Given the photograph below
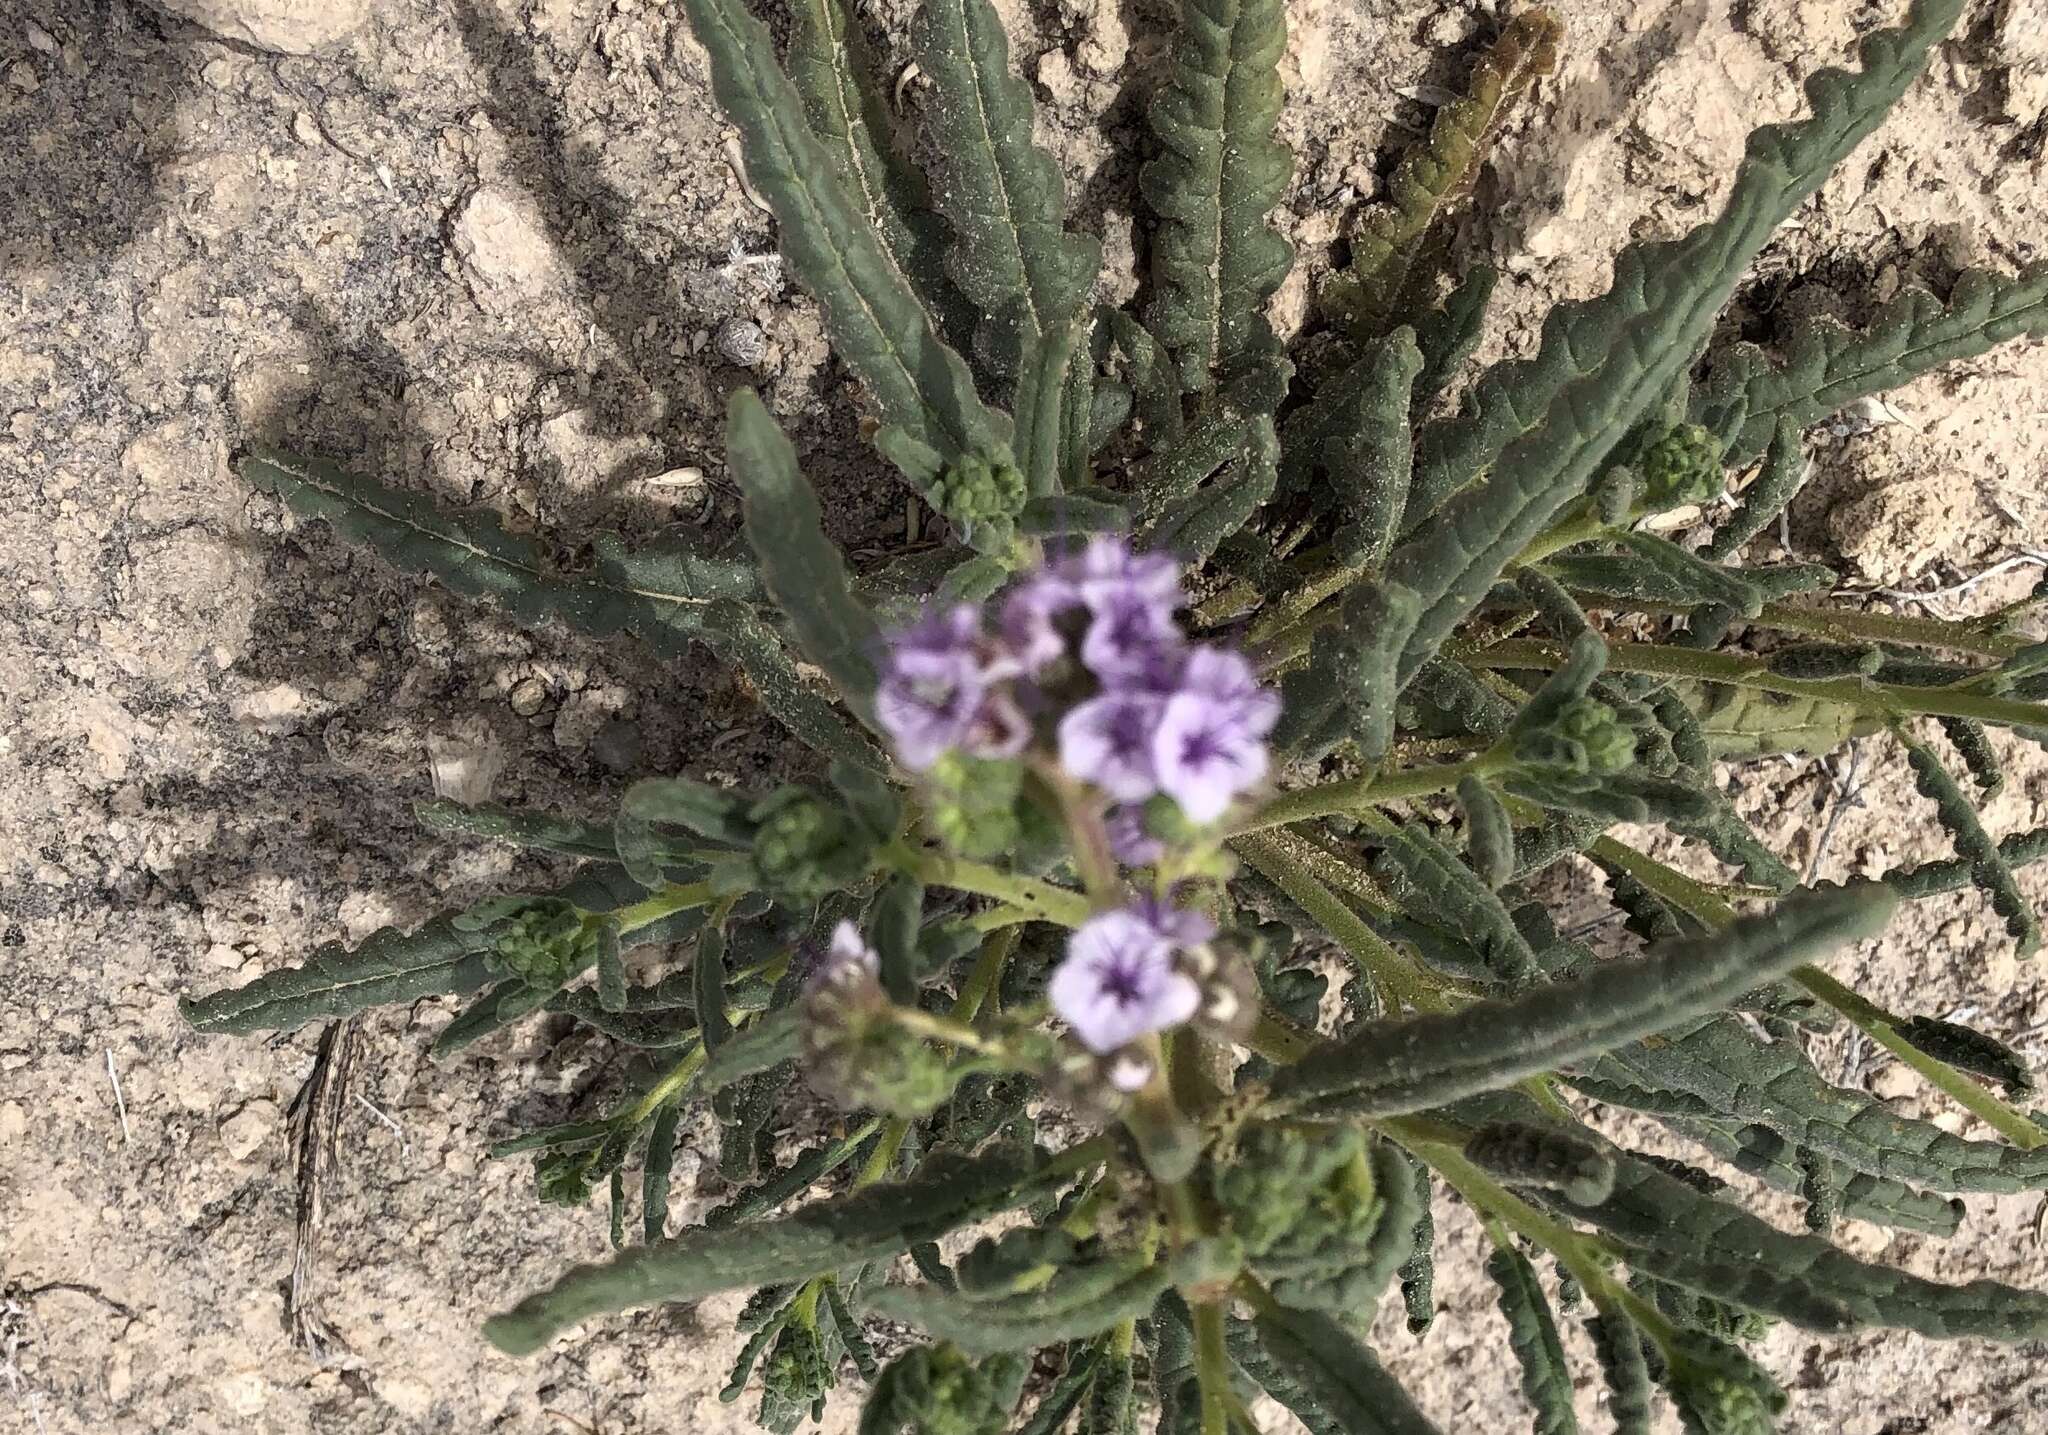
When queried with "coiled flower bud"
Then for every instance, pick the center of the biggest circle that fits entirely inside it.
(547, 942)
(1307, 1206)
(976, 492)
(935, 1390)
(1720, 1391)
(806, 848)
(1682, 467)
(1586, 739)
(796, 1377)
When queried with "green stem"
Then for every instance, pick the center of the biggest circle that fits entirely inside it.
(1398, 981)
(1046, 902)
(1881, 1026)
(1890, 699)
(1845, 625)
(667, 902)
(1586, 1261)
(1212, 1367)
(981, 982)
(670, 1086)
(1332, 799)
(884, 1155)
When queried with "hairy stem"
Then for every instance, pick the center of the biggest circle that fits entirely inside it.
(1333, 799)
(1397, 980)
(1890, 699)
(1043, 900)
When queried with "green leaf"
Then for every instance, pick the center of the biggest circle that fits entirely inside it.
(877, 324)
(707, 972)
(1541, 429)
(1000, 193)
(1331, 1381)
(1658, 570)
(1489, 835)
(1532, 1335)
(1058, 1403)
(544, 831)
(1433, 886)
(654, 1177)
(1763, 1153)
(1988, 869)
(713, 818)
(1688, 1236)
(1191, 527)
(767, 1042)
(1447, 335)
(1747, 398)
(836, 73)
(1219, 174)
(800, 566)
(1049, 364)
(1391, 1067)
(1746, 722)
(1078, 1302)
(872, 1224)
(1548, 1157)
(439, 958)
(1784, 471)
(1388, 242)
(1619, 1345)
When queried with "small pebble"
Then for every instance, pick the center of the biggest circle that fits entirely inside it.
(529, 696)
(742, 342)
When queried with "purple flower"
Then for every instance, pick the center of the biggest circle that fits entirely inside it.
(1129, 638)
(1030, 621)
(934, 695)
(1118, 982)
(1130, 841)
(1109, 741)
(1210, 742)
(1107, 570)
(850, 948)
(1178, 926)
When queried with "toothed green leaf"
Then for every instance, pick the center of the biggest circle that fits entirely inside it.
(1620, 1348)
(1541, 429)
(1532, 1334)
(1389, 1067)
(1327, 1377)
(871, 1224)
(1221, 170)
(1387, 245)
(800, 566)
(1988, 868)
(1000, 193)
(1747, 397)
(877, 324)
(1077, 1302)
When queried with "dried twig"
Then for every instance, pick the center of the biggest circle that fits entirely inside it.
(120, 1101)
(315, 1126)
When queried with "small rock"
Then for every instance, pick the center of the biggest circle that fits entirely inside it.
(13, 1122)
(243, 1134)
(221, 955)
(742, 342)
(465, 763)
(501, 239)
(529, 696)
(286, 27)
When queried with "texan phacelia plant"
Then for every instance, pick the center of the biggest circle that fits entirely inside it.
(1249, 667)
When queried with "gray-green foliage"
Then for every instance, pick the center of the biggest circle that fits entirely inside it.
(1450, 602)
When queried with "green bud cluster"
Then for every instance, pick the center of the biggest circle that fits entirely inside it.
(796, 1377)
(936, 1390)
(548, 941)
(1586, 740)
(806, 847)
(1304, 1205)
(563, 1177)
(976, 491)
(976, 806)
(857, 1054)
(1682, 467)
(1719, 1391)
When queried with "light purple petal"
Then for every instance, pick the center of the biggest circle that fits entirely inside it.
(1030, 621)
(850, 948)
(1129, 640)
(1118, 982)
(1226, 678)
(1108, 741)
(1203, 758)
(1129, 840)
(1180, 926)
(1107, 569)
(927, 702)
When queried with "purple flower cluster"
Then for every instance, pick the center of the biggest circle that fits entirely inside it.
(1121, 978)
(1161, 715)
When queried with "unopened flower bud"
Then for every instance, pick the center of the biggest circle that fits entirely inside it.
(1682, 467)
(547, 942)
(806, 847)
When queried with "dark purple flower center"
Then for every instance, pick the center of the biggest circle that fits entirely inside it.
(1201, 747)
(1122, 980)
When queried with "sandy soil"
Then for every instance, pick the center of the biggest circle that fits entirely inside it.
(496, 252)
